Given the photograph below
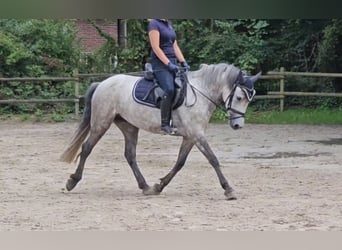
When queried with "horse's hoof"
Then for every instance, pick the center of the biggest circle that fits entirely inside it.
(151, 190)
(71, 183)
(230, 194)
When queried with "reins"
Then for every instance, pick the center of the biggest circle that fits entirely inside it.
(228, 100)
(193, 88)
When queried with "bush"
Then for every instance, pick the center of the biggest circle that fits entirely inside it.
(36, 48)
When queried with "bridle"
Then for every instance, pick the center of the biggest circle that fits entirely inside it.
(249, 93)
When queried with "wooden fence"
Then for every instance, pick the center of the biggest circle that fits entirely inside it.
(77, 79)
(281, 94)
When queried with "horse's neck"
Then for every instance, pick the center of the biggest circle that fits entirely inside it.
(212, 90)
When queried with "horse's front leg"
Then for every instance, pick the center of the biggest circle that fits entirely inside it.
(204, 147)
(184, 151)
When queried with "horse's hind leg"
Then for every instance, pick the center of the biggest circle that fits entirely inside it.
(87, 147)
(130, 133)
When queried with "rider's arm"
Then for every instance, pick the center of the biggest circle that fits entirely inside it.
(154, 37)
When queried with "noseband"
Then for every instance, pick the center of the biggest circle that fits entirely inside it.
(249, 93)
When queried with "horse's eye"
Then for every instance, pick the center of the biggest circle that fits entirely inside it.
(239, 98)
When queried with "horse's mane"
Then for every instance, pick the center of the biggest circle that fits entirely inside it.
(217, 73)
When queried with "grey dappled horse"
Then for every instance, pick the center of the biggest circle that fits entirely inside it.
(111, 101)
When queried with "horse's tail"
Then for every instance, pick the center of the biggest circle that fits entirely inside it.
(83, 128)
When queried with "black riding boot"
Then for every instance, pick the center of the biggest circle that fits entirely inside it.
(165, 110)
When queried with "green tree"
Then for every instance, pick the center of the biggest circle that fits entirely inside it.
(49, 47)
(330, 51)
(35, 48)
(213, 41)
(13, 55)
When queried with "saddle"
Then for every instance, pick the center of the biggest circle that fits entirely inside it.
(146, 90)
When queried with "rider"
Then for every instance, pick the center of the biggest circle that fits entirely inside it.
(164, 55)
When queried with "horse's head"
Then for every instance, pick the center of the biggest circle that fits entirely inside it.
(240, 96)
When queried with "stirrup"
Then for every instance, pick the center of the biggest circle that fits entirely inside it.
(169, 130)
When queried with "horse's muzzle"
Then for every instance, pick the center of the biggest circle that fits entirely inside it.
(237, 123)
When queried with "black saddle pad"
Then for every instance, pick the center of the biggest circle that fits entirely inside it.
(144, 93)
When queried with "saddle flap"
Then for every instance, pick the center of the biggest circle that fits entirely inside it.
(149, 93)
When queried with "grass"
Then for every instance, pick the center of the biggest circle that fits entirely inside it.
(290, 116)
(296, 116)
(38, 117)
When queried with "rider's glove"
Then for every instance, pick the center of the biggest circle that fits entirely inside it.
(172, 67)
(185, 65)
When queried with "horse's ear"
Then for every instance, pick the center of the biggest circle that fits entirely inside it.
(256, 77)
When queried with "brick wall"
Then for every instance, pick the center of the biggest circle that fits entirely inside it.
(89, 37)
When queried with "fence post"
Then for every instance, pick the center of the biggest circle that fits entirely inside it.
(281, 90)
(77, 92)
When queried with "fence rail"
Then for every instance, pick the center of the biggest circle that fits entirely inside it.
(39, 79)
(281, 94)
(77, 79)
